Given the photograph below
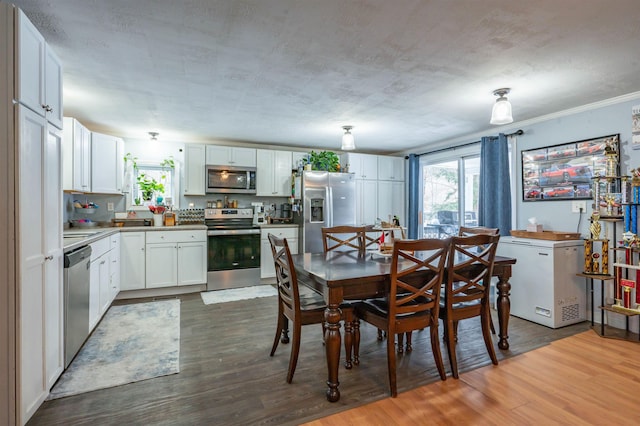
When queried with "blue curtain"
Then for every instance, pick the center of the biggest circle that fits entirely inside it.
(414, 194)
(494, 204)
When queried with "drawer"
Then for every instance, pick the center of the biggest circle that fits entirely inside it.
(288, 233)
(100, 247)
(154, 237)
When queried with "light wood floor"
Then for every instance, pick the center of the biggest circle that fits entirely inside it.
(582, 379)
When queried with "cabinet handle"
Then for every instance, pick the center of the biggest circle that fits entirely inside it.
(142, 249)
(103, 262)
(48, 257)
(543, 254)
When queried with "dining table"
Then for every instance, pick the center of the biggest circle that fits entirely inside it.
(343, 276)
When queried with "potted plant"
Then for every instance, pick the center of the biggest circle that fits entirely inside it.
(323, 160)
(148, 186)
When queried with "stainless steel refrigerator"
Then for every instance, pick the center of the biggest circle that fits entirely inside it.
(327, 199)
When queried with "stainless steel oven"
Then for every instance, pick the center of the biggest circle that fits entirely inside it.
(233, 249)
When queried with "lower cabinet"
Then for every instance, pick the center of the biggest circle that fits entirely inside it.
(176, 258)
(99, 280)
(114, 267)
(267, 268)
(132, 260)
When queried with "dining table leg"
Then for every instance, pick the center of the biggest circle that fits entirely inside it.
(332, 316)
(504, 305)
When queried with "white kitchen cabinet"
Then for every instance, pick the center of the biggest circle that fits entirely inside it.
(39, 208)
(114, 266)
(364, 166)
(76, 163)
(391, 200)
(545, 287)
(132, 260)
(194, 170)
(217, 155)
(390, 168)
(176, 258)
(39, 70)
(274, 173)
(162, 265)
(99, 280)
(290, 233)
(366, 201)
(192, 263)
(107, 163)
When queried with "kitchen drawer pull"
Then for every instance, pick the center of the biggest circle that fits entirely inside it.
(48, 257)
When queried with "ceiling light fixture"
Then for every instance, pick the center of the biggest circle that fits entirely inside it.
(348, 144)
(501, 113)
(154, 135)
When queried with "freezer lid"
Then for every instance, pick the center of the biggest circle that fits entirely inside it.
(540, 243)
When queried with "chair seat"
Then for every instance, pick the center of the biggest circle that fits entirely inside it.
(380, 307)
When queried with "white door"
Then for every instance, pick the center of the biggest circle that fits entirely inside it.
(162, 265)
(32, 288)
(192, 263)
(132, 261)
(52, 220)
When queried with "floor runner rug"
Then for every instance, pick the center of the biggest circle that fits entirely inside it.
(234, 294)
(132, 342)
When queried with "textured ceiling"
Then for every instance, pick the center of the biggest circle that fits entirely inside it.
(406, 74)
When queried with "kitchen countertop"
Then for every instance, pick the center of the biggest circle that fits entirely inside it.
(89, 235)
(279, 225)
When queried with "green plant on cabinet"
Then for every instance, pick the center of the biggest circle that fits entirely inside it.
(323, 160)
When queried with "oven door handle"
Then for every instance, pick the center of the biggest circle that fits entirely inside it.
(233, 232)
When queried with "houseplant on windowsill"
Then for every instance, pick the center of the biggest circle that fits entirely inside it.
(148, 186)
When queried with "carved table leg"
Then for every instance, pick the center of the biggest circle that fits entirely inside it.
(348, 343)
(332, 339)
(504, 307)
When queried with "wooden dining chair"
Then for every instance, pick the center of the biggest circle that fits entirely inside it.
(344, 238)
(417, 272)
(292, 308)
(466, 290)
(466, 231)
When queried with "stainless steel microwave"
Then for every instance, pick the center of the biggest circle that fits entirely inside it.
(233, 180)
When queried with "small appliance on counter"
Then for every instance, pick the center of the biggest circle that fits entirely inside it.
(259, 216)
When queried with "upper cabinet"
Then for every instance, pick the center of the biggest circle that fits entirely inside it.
(365, 166)
(39, 83)
(107, 163)
(217, 155)
(273, 173)
(391, 168)
(194, 174)
(76, 150)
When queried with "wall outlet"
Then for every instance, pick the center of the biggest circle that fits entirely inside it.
(578, 206)
(109, 207)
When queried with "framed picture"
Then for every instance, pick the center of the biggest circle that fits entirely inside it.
(565, 171)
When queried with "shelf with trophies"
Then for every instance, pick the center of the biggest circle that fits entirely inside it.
(616, 200)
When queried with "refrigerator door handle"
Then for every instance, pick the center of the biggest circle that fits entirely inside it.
(329, 206)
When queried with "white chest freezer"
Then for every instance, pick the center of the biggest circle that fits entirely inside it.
(544, 285)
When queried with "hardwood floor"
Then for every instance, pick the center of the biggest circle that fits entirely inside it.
(227, 377)
(582, 379)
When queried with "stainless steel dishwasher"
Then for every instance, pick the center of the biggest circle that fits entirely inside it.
(76, 301)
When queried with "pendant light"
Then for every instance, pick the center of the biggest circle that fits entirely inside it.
(348, 144)
(501, 113)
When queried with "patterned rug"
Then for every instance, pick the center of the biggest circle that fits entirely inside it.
(132, 342)
(233, 294)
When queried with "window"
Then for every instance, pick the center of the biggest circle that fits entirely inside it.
(152, 183)
(450, 192)
(450, 189)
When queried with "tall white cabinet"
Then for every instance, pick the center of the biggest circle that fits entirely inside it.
(194, 172)
(32, 123)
